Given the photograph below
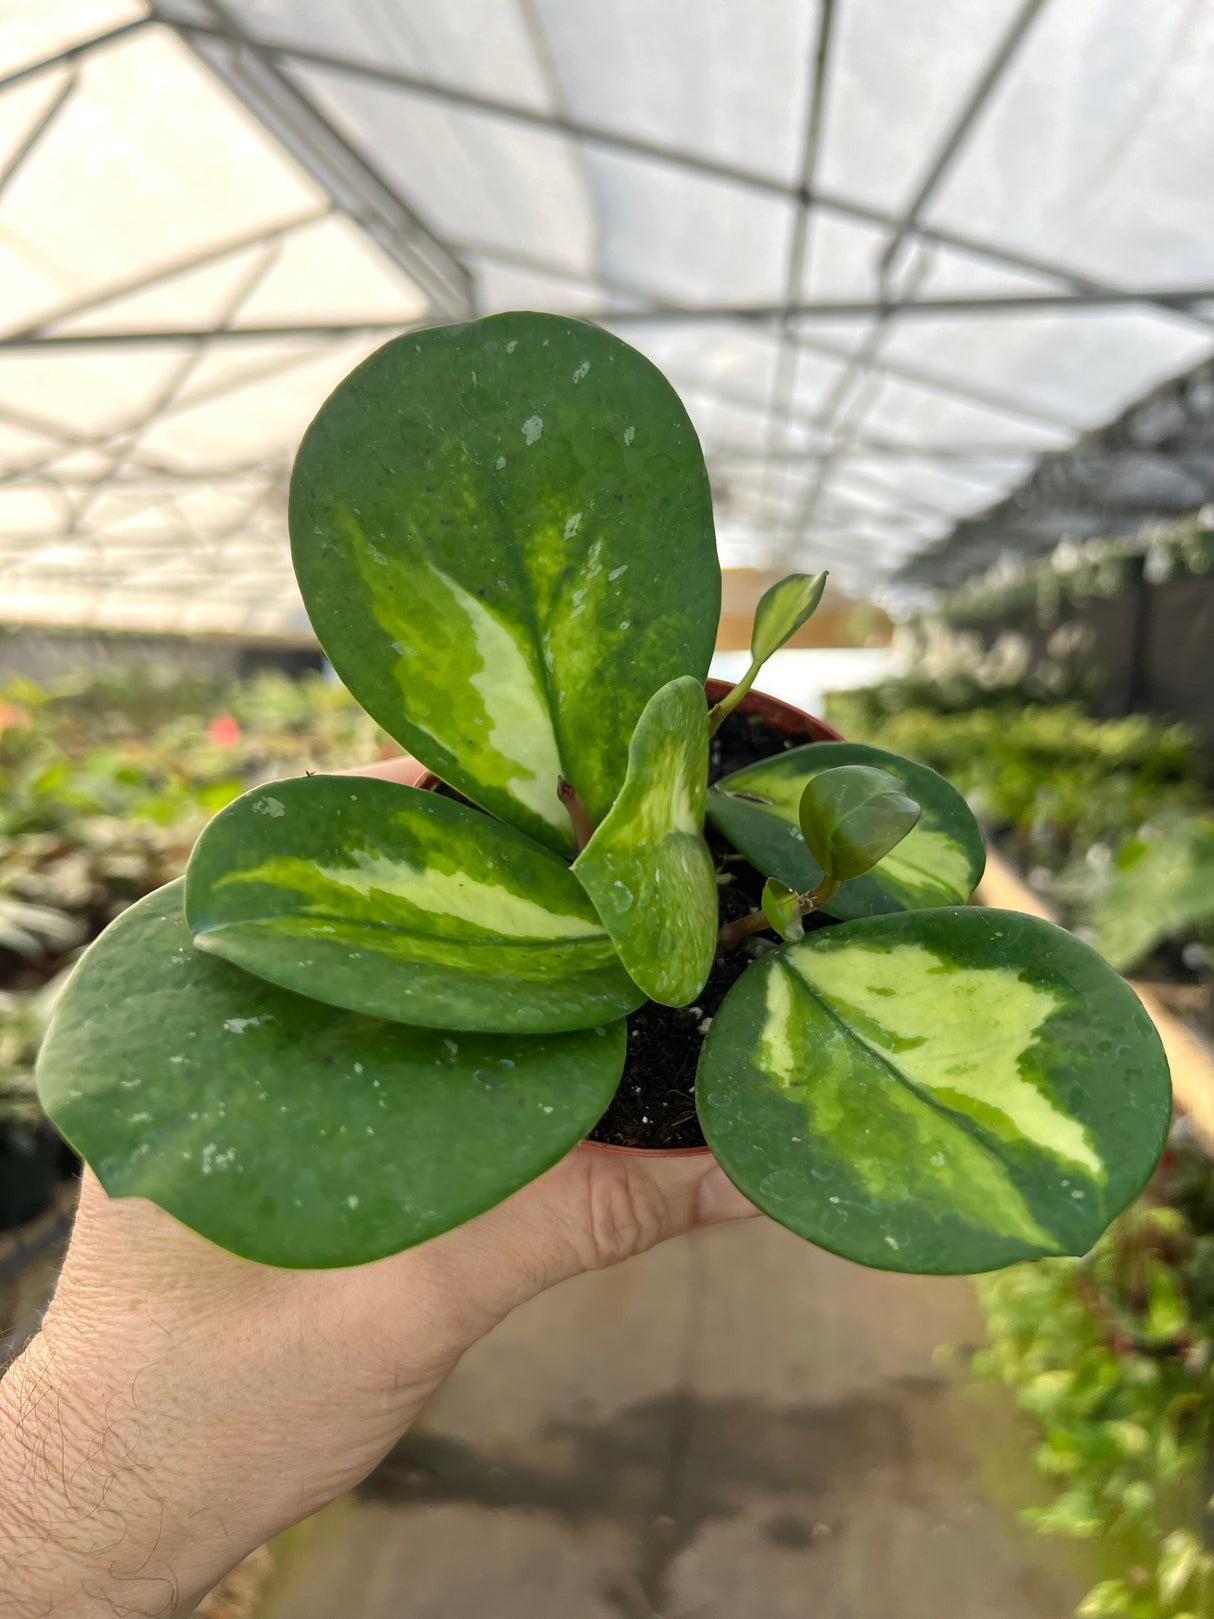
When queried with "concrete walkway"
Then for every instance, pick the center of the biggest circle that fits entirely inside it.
(736, 1426)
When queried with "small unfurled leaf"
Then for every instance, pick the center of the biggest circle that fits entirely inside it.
(939, 863)
(402, 904)
(942, 1091)
(852, 816)
(782, 610)
(782, 908)
(291, 1132)
(647, 867)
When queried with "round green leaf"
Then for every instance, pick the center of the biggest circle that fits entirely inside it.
(852, 816)
(503, 535)
(938, 863)
(647, 867)
(290, 1132)
(943, 1091)
(404, 905)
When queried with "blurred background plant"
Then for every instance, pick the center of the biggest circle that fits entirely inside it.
(1110, 1356)
(104, 786)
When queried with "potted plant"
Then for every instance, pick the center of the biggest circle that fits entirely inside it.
(375, 1010)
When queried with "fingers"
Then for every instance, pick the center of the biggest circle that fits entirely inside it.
(719, 1199)
(590, 1211)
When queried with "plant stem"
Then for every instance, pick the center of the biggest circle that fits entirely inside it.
(583, 829)
(732, 934)
(731, 699)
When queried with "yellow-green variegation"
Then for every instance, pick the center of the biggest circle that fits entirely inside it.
(647, 867)
(291, 1132)
(938, 863)
(402, 904)
(945, 1091)
(503, 535)
(782, 610)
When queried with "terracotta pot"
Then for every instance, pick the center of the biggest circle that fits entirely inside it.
(792, 721)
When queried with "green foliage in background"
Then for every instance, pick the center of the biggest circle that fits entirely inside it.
(104, 786)
(1040, 771)
(1044, 777)
(1110, 1356)
(1161, 886)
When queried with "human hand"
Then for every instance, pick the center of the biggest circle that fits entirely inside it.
(182, 1405)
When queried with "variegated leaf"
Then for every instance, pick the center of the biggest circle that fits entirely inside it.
(647, 867)
(402, 904)
(782, 610)
(503, 535)
(288, 1131)
(938, 863)
(943, 1091)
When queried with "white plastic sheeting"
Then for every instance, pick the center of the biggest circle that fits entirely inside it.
(757, 196)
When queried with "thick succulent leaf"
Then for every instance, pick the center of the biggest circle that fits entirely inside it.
(647, 867)
(942, 1091)
(402, 904)
(852, 816)
(782, 610)
(782, 908)
(288, 1131)
(939, 863)
(503, 535)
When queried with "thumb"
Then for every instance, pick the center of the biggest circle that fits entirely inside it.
(590, 1211)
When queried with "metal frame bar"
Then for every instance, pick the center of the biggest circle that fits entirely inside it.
(182, 266)
(38, 128)
(356, 187)
(73, 53)
(1173, 299)
(901, 371)
(851, 389)
(788, 355)
(953, 143)
(610, 139)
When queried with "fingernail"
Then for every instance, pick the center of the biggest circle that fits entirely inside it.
(719, 1199)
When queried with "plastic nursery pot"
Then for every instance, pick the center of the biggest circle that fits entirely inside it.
(793, 722)
(783, 716)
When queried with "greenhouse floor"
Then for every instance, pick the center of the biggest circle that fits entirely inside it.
(735, 1426)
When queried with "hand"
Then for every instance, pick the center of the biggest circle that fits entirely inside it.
(181, 1405)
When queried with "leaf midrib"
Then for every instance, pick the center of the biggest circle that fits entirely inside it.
(962, 1120)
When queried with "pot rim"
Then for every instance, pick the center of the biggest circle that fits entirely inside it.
(786, 717)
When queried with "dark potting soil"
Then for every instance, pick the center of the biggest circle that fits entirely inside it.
(655, 1103)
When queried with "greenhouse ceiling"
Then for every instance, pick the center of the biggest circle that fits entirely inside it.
(889, 251)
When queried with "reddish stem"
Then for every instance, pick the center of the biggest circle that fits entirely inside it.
(583, 828)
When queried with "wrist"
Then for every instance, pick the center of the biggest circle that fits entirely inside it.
(93, 1521)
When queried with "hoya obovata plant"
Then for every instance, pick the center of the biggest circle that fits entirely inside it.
(373, 1011)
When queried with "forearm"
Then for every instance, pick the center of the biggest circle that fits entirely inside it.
(87, 1525)
(120, 1494)
(157, 1430)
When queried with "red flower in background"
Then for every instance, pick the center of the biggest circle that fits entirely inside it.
(224, 731)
